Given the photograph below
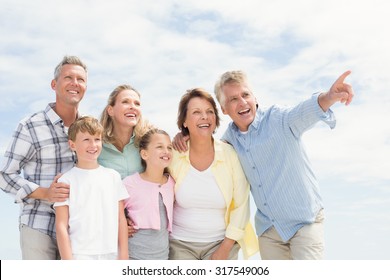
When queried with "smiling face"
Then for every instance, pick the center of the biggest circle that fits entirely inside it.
(126, 111)
(200, 118)
(158, 152)
(70, 86)
(87, 148)
(239, 104)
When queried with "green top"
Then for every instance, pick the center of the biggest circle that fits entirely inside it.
(126, 163)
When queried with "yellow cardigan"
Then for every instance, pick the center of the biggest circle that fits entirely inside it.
(231, 180)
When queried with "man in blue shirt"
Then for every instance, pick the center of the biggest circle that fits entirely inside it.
(289, 216)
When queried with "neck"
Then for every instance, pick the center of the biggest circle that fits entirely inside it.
(154, 176)
(68, 114)
(122, 136)
(87, 164)
(201, 145)
(201, 152)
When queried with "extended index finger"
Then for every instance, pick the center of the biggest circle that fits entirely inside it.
(342, 77)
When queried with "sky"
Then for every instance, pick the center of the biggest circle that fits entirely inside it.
(289, 50)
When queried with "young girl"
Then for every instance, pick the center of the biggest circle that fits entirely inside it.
(151, 197)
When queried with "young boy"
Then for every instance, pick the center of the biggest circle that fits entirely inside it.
(91, 223)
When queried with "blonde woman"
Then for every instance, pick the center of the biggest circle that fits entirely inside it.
(123, 126)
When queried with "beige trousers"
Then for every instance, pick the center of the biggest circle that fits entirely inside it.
(306, 244)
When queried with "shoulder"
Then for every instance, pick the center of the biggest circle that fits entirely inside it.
(32, 118)
(67, 175)
(131, 178)
(171, 181)
(223, 146)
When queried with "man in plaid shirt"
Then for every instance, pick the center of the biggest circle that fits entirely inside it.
(39, 148)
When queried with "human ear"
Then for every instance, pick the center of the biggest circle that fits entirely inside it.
(72, 145)
(53, 84)
(110, 110)
(144, 154)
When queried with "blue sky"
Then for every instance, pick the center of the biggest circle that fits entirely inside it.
(289, 49)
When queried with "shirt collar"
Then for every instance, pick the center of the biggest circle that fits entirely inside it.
(52, 115)
(112, 147)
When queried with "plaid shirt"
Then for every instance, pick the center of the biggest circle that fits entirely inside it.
(39, 148)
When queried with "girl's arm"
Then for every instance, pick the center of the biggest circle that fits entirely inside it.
(63, 239)
(123, 253)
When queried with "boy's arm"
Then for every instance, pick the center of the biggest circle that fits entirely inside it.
(123, 253)
(63, 239)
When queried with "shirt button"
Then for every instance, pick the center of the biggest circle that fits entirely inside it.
(247, 150)
(253, 167)
(265, 204)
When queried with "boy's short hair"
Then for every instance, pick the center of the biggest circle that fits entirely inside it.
(85, 124)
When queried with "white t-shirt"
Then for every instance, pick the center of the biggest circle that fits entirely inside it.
(199, 210)
(93, 209)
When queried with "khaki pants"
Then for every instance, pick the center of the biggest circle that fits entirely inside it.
(183, 250)
(306, 244)
(36, 245)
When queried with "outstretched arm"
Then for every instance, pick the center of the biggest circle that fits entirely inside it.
(339, 92)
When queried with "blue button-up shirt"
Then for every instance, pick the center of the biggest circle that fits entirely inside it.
(275, 163)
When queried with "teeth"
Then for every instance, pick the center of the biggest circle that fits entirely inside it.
(130, 115)
(203, 125)
(72, 91)
(244, 111)
(165, 158)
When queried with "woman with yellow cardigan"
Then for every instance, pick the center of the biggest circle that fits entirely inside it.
(211, 211)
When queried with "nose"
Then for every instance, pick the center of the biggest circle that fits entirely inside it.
(242, 101)
(74, 81)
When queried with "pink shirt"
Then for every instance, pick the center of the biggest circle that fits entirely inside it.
(143, 202)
